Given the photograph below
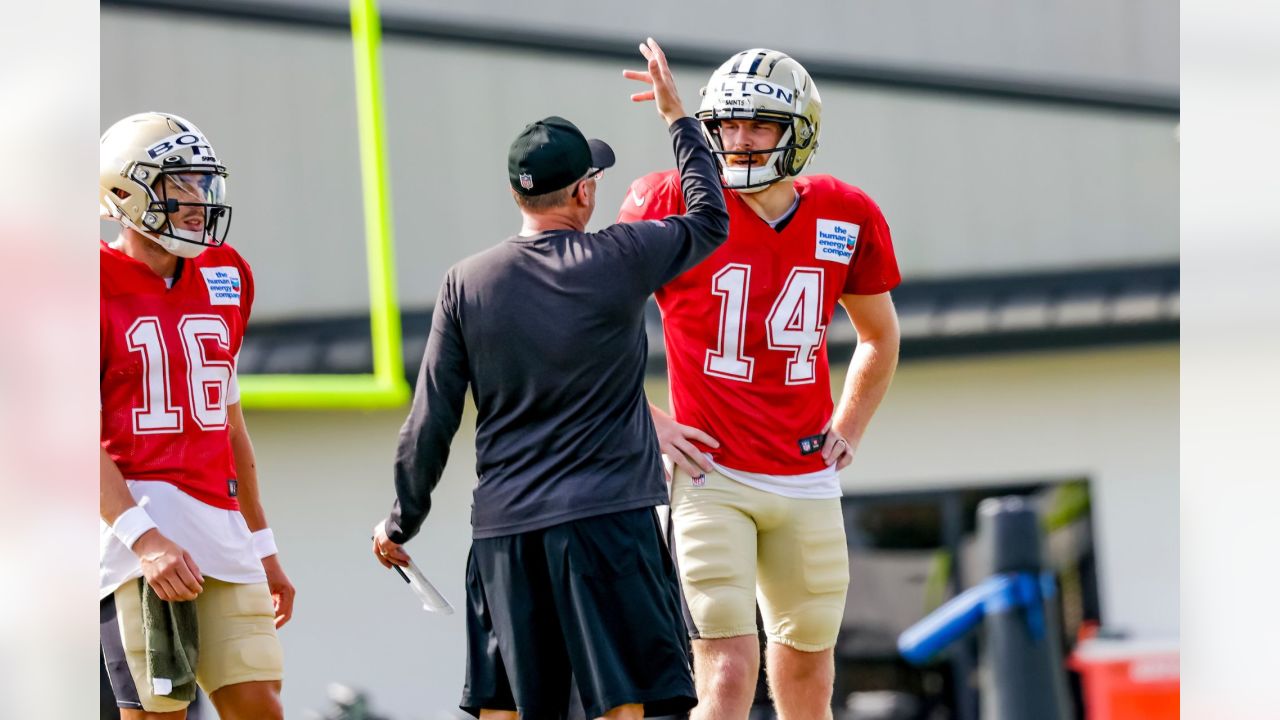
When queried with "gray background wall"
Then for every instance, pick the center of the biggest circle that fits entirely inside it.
(968, 186)
(1126, 43)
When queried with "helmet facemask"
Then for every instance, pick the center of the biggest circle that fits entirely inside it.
(186, 210)
(763, 86)
(754, 176)
(160, 177)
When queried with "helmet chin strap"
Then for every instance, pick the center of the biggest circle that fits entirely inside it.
(737, 179)
(752, 179)
(173, 246)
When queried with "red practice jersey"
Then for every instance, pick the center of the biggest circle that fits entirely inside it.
(167, 360)
(746, 330)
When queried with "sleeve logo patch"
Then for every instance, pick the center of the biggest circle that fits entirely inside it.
(836, 240)
(223, 284)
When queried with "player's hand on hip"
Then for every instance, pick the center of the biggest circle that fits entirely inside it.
(168, 569)
(677, 440)
(664, 92)
(282, 591)
(387, 552)
(836, 449)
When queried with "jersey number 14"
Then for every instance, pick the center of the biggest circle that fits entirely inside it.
(794, 325)
(207, 380)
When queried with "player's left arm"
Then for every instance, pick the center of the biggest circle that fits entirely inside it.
(282, 591)
(870, 372)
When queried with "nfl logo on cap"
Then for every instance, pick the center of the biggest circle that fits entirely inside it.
(526, 181)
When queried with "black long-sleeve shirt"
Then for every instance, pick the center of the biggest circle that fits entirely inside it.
(548, 331)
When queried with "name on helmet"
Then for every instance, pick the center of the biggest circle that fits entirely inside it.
(748, 88)
(200, 148)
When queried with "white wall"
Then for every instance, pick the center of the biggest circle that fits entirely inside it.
(1109, 415)
(326, 480)
(967, 185)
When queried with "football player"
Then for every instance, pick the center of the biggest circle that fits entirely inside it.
(754, 436)
(179, 494)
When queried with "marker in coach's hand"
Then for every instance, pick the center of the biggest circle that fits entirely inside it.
(395, 567)
(432, 600)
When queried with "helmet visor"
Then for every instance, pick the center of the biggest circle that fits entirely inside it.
(194, 207)
(196, 187)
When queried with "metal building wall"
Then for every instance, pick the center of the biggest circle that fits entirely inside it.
(1116, 42)
(968, 185)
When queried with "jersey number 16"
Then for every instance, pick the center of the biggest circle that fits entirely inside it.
(207, 380)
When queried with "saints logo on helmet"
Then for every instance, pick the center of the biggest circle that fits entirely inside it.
(159, 176)
(764, 86)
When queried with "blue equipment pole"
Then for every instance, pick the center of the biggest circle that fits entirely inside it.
(1021, 670)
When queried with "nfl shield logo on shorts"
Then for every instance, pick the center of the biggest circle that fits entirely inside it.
(526, 181)
(700, 481)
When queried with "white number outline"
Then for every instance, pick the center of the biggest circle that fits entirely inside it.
(717, 363)
(802, 298)
(169, 413)
(810, 323)
(193, 331)
(200, 368)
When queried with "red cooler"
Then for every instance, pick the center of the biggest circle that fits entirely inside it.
(1128, 679)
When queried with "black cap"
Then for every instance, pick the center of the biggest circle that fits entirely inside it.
(552, 154)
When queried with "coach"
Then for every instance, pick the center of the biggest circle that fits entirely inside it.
(567, 575)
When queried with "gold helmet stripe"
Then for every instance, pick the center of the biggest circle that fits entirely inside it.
(773, 60)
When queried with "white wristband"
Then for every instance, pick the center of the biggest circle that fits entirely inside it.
(264, 543)
(131, 525)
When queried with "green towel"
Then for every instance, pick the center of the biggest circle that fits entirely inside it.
(170, 630)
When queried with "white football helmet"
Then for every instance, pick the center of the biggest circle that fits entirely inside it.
(159, 176)
(765, 85)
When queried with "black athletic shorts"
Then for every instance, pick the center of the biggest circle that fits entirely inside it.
(594, 602)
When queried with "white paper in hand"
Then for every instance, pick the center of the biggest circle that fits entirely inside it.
(432, 600)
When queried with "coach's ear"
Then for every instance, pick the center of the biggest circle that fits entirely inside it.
(585, 192)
